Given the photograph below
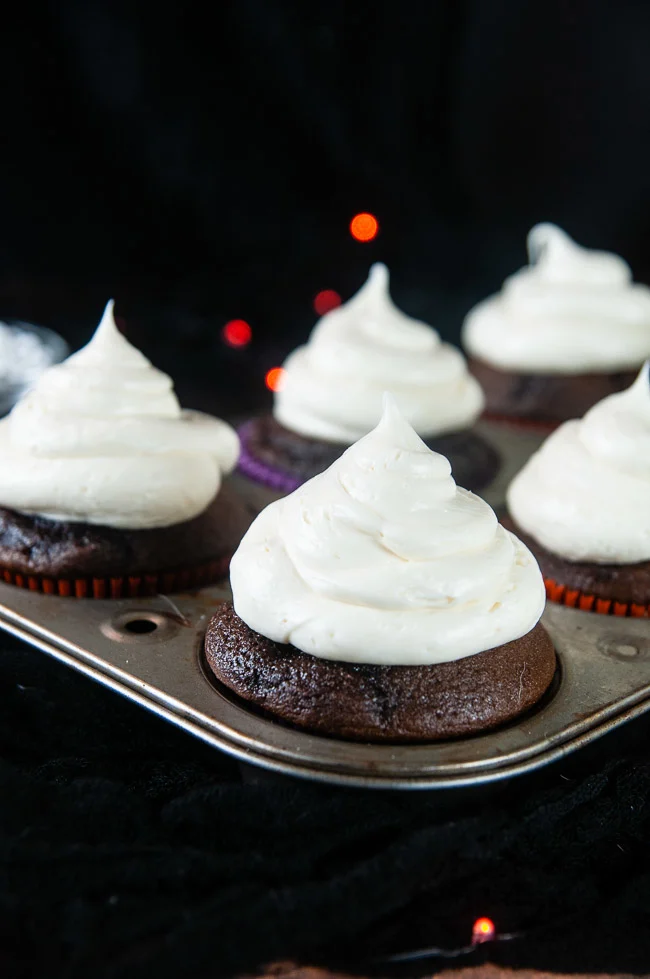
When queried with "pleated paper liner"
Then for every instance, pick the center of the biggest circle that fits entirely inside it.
(249, 465)
(574, 598)
(126, 586)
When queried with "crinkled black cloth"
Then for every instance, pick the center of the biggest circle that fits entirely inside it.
(128, 849)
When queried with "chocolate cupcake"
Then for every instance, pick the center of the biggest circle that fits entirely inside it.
(107, 487)
(332, 390)
(582, 503)
(563, 333)
(380, 602)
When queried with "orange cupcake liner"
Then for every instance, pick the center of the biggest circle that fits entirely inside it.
(574, 598)
(126, 586)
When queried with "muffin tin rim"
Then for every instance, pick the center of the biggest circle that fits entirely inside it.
(136, 663)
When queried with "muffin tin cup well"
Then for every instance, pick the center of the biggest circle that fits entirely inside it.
(150, 650)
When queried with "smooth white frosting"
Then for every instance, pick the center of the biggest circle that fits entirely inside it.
(570, 311)
(585, 495)
(382, 559)
(101, 438)
(333, 386)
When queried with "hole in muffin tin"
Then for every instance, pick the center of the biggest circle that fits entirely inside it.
(140, 625)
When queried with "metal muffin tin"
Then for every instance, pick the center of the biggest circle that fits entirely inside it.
(151, 651)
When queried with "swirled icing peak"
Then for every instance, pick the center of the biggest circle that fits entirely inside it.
(101, 438)
(571, 310)
(585, 495)
(333, 385)
(383, 559)
(557, 258)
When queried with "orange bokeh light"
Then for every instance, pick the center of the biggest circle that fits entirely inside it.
(274, 379)
(237, 333)
(483, 930)
(364, 226)
(326, 300)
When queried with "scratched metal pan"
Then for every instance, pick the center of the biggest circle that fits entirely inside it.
(150, 650)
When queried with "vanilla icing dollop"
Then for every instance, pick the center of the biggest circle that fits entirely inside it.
(585, 494)
(383, 559)
(571, 310)
(101, 438)
(333, 386)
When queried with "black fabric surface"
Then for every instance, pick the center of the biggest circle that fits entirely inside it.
(128, 849)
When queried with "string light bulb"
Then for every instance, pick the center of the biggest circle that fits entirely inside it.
(274, 379)
(237, 333)
(325, 301)
(364, 226)
(483, 930)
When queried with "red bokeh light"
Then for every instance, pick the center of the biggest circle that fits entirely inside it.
(483, 931)
(364, 226)
(274, 379)
(326, 300)
(237, 333)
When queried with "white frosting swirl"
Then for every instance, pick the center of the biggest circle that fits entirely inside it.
(101, 438)
(333, 386)
(585, 495)
(382, 559)
(570, 311)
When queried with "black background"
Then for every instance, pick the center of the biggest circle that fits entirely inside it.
(201, 165)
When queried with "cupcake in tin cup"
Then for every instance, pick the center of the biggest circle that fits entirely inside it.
(108, 488)
(380, 602)
(562, 334)
(332, 390)
(582, 504)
